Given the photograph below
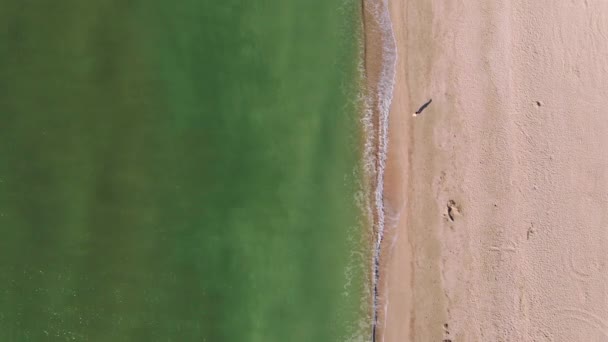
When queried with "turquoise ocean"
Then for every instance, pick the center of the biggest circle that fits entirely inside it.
(181, 171)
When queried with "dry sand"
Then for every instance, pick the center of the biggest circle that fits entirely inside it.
(496, 196)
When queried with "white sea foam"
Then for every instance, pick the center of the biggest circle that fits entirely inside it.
(377, 108)
(375, 102)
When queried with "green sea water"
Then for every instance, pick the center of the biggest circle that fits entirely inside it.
(179, 171)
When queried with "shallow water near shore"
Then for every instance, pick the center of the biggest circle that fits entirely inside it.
(181, 172)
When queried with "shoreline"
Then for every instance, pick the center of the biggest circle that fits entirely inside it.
(410, 300)
(379, 69)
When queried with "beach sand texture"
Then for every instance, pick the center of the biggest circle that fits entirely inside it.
(496, 196)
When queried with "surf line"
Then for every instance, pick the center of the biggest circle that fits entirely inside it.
(377, 144)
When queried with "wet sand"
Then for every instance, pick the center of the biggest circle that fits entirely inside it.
(496, 195)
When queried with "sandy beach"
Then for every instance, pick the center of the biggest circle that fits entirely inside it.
(496, 195)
